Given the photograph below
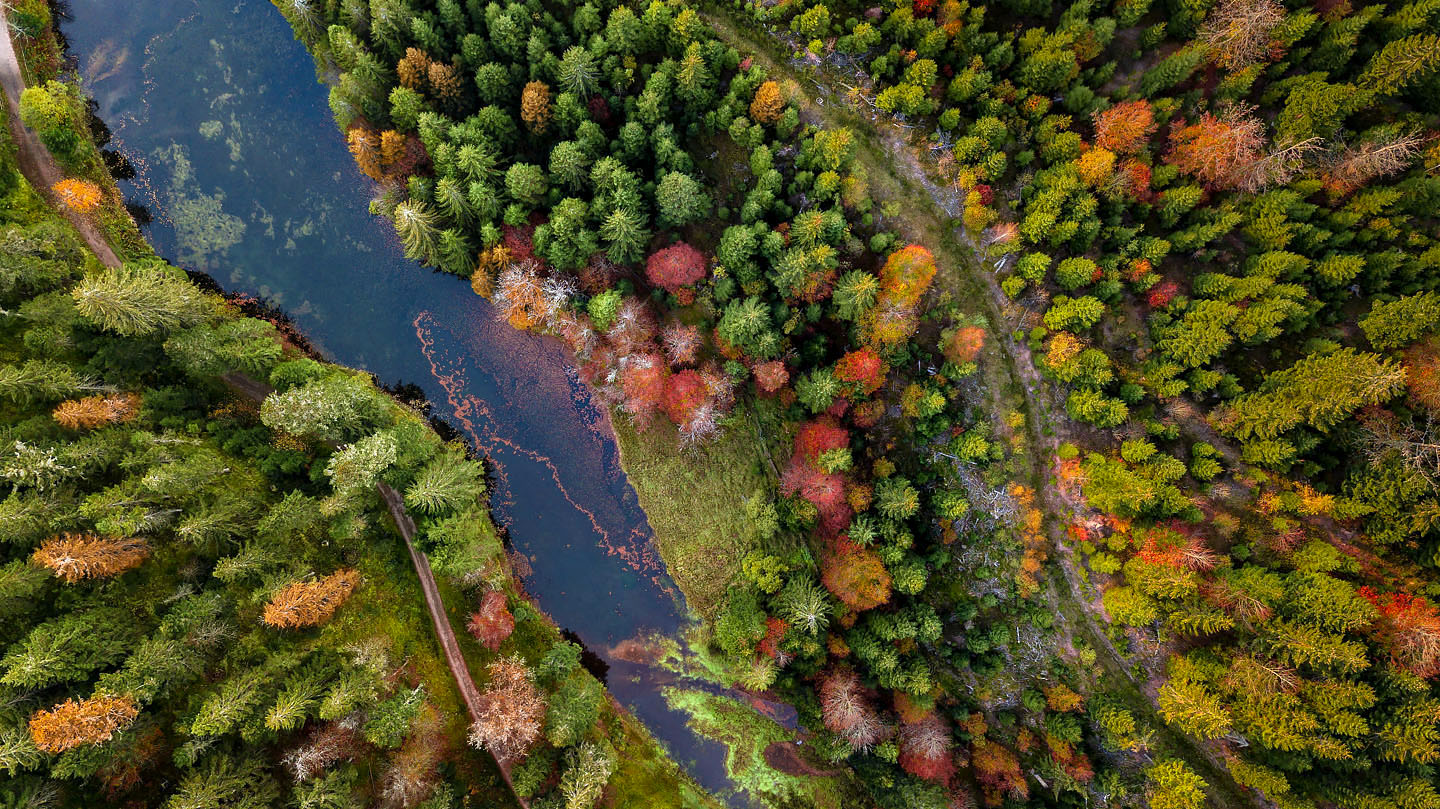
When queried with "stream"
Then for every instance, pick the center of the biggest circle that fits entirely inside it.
(247, 178)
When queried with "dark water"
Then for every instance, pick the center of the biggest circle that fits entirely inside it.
(248, 178)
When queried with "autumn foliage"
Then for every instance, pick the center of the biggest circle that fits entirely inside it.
(864, 368)
(97, 411)
(770, 376)
(80, 196)
(847, 710)
(643, 381)
(492, 623)
(855, 575)
(310, 603)
(511, 711)
(965, 344)
(74, 557)
(815, 438)
(675, 269)
(535, 106)
(684, 394)
(766, 106)
(76, 722)
(903, 281)
(1124, 128)
(1221, 151)
(925, 750)
(1409, 626)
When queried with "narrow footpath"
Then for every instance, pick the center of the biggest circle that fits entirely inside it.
(36, 162)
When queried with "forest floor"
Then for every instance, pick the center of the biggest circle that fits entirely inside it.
(36, 162)
(897, 172)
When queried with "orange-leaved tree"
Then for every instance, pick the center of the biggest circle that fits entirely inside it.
(903, 281)
(74, 557)
(965, 344)
(77, 195)
(76, 722)
(535, 106)
(1222, 151)
(855, 575)
(310, 603)
(364, 146)
(766, 106)
(1125, 127)
(97, 411)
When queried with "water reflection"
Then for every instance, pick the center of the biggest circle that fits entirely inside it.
(239, 164)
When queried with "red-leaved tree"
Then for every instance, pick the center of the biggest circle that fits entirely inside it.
(864, 368)
(675, 269)
(492, 623)
(925, 750)
(684, 393)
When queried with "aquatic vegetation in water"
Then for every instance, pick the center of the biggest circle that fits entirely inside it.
(204, 231)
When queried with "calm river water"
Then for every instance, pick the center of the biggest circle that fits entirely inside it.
(248, 179)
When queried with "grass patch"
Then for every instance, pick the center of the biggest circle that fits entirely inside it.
(695, 497)
(746, 734)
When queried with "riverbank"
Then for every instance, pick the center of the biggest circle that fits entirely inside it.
(645, 771)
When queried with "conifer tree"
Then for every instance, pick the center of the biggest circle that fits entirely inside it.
(73, 723)
(310, 603)
(141, 299)
(74, 557)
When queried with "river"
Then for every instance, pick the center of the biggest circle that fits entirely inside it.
(247, 178)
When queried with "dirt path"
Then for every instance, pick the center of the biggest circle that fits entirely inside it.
(256, 391)
(459, 670)
(895, 172)
(36, 162)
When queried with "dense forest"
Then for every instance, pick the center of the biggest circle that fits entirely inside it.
(1078, 360)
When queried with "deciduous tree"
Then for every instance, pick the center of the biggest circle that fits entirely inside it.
(511, 711)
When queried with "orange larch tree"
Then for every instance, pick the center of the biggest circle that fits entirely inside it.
(767, 105)
(855, 575)
(310, 603)
(76, 722)
(535, 106)
(97, 411)
(903, 281)
(364, 146)
(74, 557)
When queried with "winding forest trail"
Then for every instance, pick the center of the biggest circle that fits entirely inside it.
(896, 173)
(36, 162)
